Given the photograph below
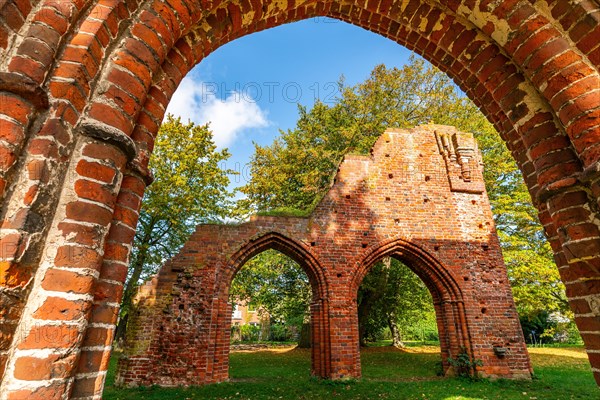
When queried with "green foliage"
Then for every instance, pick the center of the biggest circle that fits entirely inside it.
(543, 328)
(282, 333)
(249, 333)
(423, 329)
(395, 292)
(464, 365)
(297, 169)
(277, 332)
(277, 285)
(189, 185)
(284, 212)
(189, 188)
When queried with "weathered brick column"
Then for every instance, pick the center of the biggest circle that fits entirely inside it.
(320, 342)
(343, 335)
(46, 347)
(97, 341)
(63, 341)
(23, 100)
(569, 221)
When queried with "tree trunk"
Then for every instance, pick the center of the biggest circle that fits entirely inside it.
(396, 337)
(265, 329)
(304, 342)
(136, 268)
(121, 329)
(363, 314)
(129, 291)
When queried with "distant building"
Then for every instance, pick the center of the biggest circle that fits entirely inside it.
(244, 313)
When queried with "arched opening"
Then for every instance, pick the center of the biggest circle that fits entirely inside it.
(445, 292)
(541, 98)
(278, 245)
(271, 296)
(397, 318)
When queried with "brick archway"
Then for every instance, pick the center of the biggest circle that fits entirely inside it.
(448, 301)
(190, 343)
(376, 207)
(84, 85)
(319, 305)
(286, 246)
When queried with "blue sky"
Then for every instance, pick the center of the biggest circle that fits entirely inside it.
(248, 89)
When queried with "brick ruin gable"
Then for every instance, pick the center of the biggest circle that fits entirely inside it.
(84, 85)
(419, 197)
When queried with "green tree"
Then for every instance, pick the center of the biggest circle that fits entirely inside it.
(392, 296)
(296, 170)
(277, 284)
(189, 188)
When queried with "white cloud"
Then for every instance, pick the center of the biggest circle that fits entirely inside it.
(228, 118)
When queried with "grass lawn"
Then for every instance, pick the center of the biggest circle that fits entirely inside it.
(561, 374)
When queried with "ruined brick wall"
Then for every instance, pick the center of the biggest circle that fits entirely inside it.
(419, 197)
(84, 85)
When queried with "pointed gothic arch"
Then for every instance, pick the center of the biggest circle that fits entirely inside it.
(319, 305)
(447, 295)
(84, 85)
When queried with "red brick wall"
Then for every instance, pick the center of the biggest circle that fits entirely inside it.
(420, 197)
(100, 73)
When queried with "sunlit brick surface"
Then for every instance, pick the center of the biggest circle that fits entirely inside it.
(84, 85)
(419, 197)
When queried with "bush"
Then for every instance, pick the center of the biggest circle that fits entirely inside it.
(464, 365)
(424, 331)
(283, 333)
(249, 333)
(258, 333)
